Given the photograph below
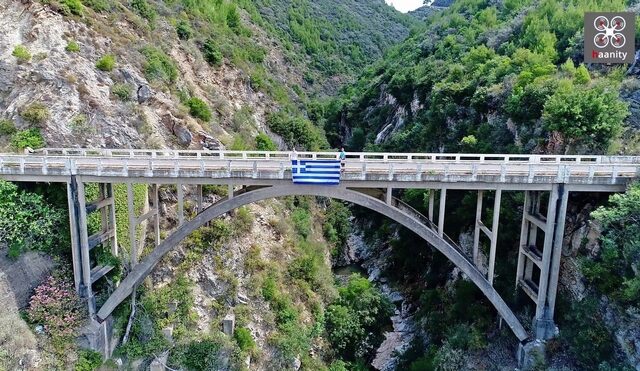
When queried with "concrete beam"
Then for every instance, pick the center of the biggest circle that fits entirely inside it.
(132, 225)
(72, 198)
(180, 204)
(156, 205)
(443, 202)
(432, 197)
(476, 229)
(494, 234)
(84, 249)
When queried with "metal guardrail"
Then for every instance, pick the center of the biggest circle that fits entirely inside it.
(360, 156)
(359, 166)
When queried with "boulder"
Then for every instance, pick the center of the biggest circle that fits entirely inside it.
(183, 134)
(144, 93)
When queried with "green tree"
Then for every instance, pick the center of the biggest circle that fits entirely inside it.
(264, 143)
(587, 117)
(355, 321)
(615, 271)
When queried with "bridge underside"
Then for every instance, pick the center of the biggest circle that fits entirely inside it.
(538, 257)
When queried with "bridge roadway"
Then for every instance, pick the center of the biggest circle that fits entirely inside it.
(382, 170)
(368, 180)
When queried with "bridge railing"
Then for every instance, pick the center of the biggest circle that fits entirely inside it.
(351, 156)
(600, 172)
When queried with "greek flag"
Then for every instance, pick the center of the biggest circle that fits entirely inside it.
(315, 171)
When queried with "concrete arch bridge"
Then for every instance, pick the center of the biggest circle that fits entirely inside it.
(369, 180)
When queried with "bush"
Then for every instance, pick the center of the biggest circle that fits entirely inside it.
(56, 307)
(244, 339)
(200, 355)
(211, 53)
(301, 220)
(233, 18)
(296, 130)
(72, 47)
(159, 66)
(145, 10)
(99, 5)
(590, 341)
(612, 272)
(88, 360)
(199, 109)
(106, 63)
(183, 29)
(74, 7)
(7, 127)
(21, 53)
(355, 322)
(27, 138)
(27, 221)
(122, 90)
(242, 222)
(337, 225)
(35, 113)
(264, 143)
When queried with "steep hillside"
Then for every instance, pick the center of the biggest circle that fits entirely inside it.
(339, 37)
(488, 77)
(189, 74)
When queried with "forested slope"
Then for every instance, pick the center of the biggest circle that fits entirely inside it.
(488, 77)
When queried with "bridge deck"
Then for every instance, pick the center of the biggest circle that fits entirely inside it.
(399, 170)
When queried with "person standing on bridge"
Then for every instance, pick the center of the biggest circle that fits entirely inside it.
(342, 156)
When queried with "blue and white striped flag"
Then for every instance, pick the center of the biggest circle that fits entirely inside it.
(315, 171)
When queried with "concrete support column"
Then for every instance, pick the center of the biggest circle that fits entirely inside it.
(558, 239)
(199, 198)
(76, 255)
(443, 202)
(494, 234)
(389, 196)
(132, 225)
(432, 199)
(84, 248)
(546, 252)
(112, 219)
(156, 205)
(476, 230)
(180, 204)
(230, 191)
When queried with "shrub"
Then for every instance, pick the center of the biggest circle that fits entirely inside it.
(242, 222)
(27, 138)
(159, 66)
(337, 226)
(72, 47)
(301, 220)
(7, 127)
(295, 130)
(590, 341)
(21, 53)
(106, 63)
(211, 53)
(244, 339)
(99, 5)
(28, 222)
(88, 360)
(199, 109)
(74, 7)
(35, 113)
(145, 10)
(355, 322)
(183, 29)
(233, 18)
(56, 307)
(612, 272)
(122, 91)
(200, 355)
(264, 143)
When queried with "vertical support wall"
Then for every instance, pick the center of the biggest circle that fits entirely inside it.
(492, 234)
(543, 260)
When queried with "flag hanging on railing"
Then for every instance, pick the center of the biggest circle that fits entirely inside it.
(315, 171)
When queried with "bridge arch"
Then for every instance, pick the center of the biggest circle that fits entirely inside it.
(146, 266)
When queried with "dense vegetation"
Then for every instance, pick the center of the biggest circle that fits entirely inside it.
(509, 75)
